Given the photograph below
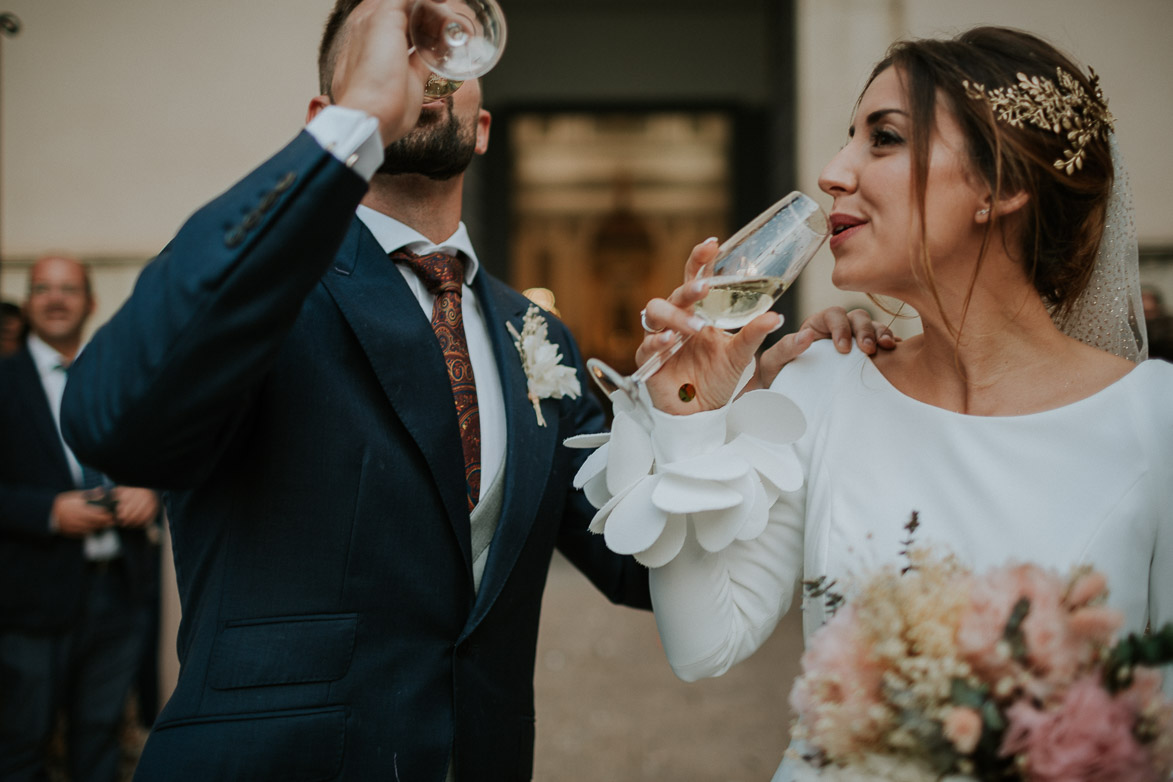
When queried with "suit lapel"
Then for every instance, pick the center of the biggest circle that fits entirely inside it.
(32, 394)
(399, 343)
(529, 449)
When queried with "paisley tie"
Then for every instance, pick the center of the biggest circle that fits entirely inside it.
(443, 274)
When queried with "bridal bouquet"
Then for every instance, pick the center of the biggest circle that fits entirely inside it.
(935, 672)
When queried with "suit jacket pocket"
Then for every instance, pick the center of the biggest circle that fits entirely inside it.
(294, 746)
(283, 650)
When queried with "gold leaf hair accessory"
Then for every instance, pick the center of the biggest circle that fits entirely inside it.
(1065, 109)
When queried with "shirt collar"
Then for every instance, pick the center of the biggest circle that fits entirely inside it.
(44, 356)
(393, 235)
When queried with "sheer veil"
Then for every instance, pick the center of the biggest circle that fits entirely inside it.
(1109, 314)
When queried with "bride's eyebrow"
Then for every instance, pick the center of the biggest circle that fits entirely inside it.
(875, 117)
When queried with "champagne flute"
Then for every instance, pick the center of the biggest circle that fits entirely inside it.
(751, 270)
(457, 39)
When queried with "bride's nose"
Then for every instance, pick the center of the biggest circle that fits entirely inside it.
(838, 177)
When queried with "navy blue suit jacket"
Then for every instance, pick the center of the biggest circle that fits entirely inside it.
(273, 370)
(42, 575)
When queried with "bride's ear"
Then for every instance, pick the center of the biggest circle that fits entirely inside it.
(1005, 206)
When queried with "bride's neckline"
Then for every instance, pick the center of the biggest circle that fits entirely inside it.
(874, 371)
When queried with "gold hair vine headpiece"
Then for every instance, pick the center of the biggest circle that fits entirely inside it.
(1064, 109)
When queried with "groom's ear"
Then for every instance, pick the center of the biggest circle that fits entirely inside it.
(318, 103)
(484, 122)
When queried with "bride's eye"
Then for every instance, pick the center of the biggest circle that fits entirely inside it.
(885, 137)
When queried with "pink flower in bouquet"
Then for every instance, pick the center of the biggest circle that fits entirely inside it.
(1088, 737)
(839, 693)
(980, 633)
(1095, 624)
(1090, 586)
(963, 728)
(1057, 648)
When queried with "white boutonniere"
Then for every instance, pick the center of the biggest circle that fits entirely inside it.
(548, 377)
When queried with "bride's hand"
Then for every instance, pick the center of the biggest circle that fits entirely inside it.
(704, 373)
(833, 323)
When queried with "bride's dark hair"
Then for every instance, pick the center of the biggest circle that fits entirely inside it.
(1063, 221)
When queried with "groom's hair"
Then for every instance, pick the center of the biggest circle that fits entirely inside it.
(332, 38)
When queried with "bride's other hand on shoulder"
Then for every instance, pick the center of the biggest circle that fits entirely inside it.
(833, 323)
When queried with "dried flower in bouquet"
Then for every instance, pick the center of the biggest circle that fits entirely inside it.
(932, 671)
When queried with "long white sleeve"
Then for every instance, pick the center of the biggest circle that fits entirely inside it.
(696, 498)
(714, 609)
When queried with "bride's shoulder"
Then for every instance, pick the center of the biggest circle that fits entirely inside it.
(1153, 379)
(817, 370)
(823, 357)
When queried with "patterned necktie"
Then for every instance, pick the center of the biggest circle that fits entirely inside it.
(442, 275)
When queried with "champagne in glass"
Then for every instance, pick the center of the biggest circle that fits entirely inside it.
(734, 301)
(457, 39)
(750, 271)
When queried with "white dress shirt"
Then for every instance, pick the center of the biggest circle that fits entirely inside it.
(51, 367)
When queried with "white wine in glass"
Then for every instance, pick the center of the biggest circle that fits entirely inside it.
(733, 301)
(751, 270)
(457, 39)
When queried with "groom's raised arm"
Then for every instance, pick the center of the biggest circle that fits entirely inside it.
(157, 394)
(158, 391)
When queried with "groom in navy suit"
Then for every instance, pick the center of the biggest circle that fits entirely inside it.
(360, 576)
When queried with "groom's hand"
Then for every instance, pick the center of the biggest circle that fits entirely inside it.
(374, 72)
(833, 323)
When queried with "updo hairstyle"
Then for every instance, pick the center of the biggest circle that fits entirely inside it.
(1064, 219)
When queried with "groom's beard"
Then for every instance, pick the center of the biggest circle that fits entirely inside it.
(438, 149)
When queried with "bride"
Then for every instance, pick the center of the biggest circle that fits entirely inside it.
(979, 185)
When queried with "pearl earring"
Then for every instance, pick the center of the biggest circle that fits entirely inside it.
(983, 212)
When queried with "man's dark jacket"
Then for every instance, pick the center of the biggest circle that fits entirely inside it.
(273, 370)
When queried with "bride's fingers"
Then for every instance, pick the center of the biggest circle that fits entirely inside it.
(653, 344)
(746, 342)
(665, 314)
(701, 255)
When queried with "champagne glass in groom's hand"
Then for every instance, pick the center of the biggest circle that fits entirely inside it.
(457, 39)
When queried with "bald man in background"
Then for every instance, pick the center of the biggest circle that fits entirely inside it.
(75, 555)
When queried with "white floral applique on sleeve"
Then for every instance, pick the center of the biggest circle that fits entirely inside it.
(721, 470)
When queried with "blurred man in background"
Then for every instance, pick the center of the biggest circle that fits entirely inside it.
(75, 559)
(11, 328)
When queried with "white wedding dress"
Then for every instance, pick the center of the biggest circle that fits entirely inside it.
(1090, 482)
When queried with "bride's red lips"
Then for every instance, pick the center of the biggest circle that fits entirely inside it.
(842, 226)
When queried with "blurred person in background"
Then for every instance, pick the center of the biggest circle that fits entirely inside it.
(75, 556)
(1159, 323)
(11, 328)
(1154, 302)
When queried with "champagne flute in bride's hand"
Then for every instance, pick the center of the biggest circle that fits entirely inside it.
(457, 39)
(751, 270)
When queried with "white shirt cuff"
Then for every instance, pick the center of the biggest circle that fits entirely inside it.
(350, 135)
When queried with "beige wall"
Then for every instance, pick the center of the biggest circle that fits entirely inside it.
(1127, 42)
(122, 116)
